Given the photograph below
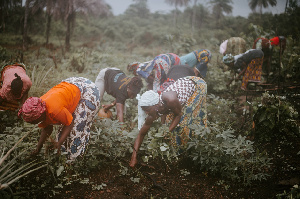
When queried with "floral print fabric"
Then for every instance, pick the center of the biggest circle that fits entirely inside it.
(83, 115)
(194, 111)
(253, 72)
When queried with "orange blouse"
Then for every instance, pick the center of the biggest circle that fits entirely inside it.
(61, 102)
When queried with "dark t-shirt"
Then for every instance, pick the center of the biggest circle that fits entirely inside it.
(116, 85)
(247, 57)
(179, 71)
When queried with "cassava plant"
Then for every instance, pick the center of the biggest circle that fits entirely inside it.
(219, 151)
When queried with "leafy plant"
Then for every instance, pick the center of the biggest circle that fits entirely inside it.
(219, 151)
(9, 171)
(275, 118)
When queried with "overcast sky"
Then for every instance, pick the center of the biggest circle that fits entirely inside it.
(240, 7)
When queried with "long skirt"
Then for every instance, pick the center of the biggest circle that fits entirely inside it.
(194, 111)
(253, 72)
(87, 108)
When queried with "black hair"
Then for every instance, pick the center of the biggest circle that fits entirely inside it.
(135, 84)
(17, 86)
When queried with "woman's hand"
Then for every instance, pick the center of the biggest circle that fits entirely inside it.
(107, 106)
(133, 162)
(55, 145)
(34, 153)
(58, 147)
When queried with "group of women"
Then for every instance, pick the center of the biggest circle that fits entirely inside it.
(176, 92)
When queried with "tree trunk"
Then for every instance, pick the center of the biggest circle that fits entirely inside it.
(48, 28)
(194, 16)
(286, 4)
(175, 17)
(49, 19)
(68, 33)
(25, 43)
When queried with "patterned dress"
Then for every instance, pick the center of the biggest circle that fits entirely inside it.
(252, 60)
(83, 115)
(159, 67)
(191, 93)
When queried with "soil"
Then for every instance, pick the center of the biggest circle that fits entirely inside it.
(157, 179)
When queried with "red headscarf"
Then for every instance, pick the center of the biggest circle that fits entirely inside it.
(274, 41)
(32, 109)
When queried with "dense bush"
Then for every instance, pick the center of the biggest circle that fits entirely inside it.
(275, 119)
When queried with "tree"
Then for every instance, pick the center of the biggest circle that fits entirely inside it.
(194, 16)
(253, 4)
(6, 6)
(25, 39)
(177, 3)
(67, 9)
(220, 7)
(198, 15)
(139, 9)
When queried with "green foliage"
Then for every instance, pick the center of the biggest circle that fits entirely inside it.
(275, 118)
(4, 55)
(219, 151)
(220, 111)
(292, 194)
(290, 71)
(109, 140)
(12, 164)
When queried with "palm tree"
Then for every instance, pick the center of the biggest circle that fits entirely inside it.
(253, 4)
(7, 6)
(177, 3)
(25, 42)
(91, 7)
(220, 7)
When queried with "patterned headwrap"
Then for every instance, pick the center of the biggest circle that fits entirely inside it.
(228, 58)
(149, 98)
(204, 56)
(132, 66)
(32, 109)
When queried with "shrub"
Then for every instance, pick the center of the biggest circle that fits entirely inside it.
(275, 118)
(219, 151)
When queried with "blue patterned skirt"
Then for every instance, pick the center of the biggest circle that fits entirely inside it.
(83, 116)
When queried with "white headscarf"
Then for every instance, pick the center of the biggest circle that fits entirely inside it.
(149, 98)
(223, 47)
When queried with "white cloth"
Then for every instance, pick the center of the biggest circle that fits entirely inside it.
(149, 98)
(100, 81)
(223, 47)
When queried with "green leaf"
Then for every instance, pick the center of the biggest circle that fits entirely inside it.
(163, 148)
(59, 170)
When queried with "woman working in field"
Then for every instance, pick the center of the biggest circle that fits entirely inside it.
(248, 64)
(72, 104)
(155, 71)
(14, 86)
(121, 87)
(233, 45)
(184, 103)
(267, 45)
(197, 59)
